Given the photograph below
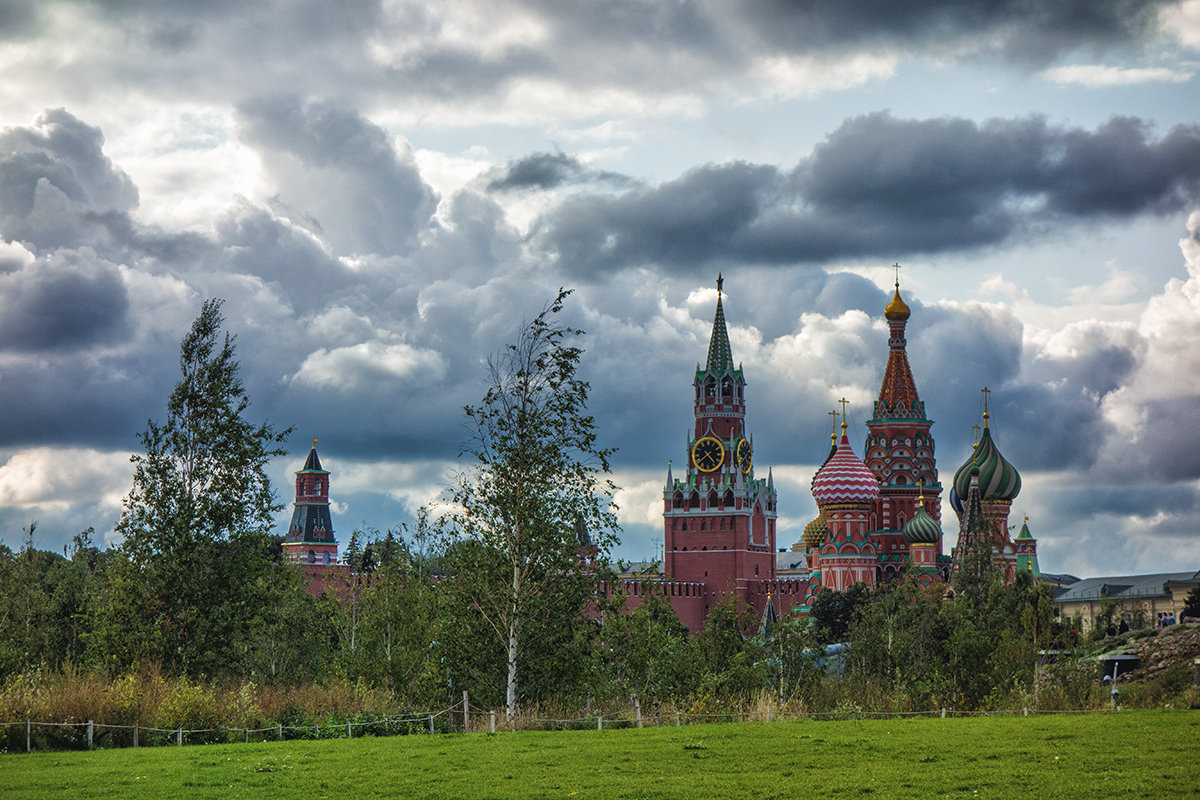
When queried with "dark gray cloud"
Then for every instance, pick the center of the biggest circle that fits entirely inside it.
(1035, 31)
(67, 300)
(549, 171)
(365, 51)
(57, 188)
(885, 187)
(338, 174)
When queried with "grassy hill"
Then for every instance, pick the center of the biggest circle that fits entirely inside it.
(1129, 754)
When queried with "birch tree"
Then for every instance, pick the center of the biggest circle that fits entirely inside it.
(535, 498)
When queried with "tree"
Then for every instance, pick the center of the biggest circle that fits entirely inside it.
(538, 475)
(1191, 604)
(196, 520)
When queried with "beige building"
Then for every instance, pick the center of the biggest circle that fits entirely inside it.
(1137, 598)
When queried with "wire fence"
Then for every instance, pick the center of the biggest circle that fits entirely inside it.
(29, 735)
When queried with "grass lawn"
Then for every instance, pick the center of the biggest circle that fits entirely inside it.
(1130, 754)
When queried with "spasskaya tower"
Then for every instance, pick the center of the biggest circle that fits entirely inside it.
(719, 518)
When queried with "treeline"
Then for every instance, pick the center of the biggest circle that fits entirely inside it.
(407, 635)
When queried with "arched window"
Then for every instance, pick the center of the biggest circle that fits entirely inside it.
(677, 500)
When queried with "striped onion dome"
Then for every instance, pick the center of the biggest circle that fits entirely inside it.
(844, 478)
(922, 528)
(998, 479)
(816, 531)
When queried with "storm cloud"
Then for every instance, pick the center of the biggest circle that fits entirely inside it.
(879, 187)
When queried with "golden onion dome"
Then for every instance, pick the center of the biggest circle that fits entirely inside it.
(897, 310)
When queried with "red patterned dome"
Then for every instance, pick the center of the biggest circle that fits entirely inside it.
(844, 478)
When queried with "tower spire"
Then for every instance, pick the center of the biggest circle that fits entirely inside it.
(720, 357)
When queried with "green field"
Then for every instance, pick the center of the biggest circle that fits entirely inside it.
(1130, 754)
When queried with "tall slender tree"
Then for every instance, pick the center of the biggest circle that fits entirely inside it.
(537, 497)
(196, 520)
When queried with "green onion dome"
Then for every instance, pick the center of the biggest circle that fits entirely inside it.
(998, 479)
(922, 528)
(816, 532)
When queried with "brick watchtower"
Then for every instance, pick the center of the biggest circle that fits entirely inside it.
(719, 519)
(310, 538)
(899, 451)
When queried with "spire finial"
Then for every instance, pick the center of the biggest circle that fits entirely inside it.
(844, 403)
(921, 492)
(314, 442)
(720, 280)
(974, 436)
(896, 267)
(833, 432)
(986, 391)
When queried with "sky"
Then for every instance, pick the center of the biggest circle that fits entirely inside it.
(383, 192)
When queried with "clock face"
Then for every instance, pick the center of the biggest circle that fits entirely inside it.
(745, 456)
(708, 454)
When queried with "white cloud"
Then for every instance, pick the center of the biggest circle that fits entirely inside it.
(53, 478)
(790, 76)
(356, 367)
(1099, 75)
(1183, 19)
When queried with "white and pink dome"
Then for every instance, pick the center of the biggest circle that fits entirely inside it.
(844, 478)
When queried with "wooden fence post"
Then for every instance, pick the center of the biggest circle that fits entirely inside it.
(637, 710)
(90, 734)
(677, 720)
(135, 733)
(493, 720)
(466, 712)
(179, 736)
(245, 736)
(27, 739)
(279, 729)
(431, 723)
(599, 724)
(349, 731)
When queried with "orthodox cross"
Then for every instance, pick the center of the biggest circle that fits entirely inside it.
(720, 280)
(844, 403)
(897, 268)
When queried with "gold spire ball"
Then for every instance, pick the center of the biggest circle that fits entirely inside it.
(897, 310)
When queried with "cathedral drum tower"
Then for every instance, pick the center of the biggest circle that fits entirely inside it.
(899, 451)
(719, 519)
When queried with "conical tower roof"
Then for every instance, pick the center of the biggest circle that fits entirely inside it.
(720, 356)
(313, 462)
(1025, 535)
(898, 398)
